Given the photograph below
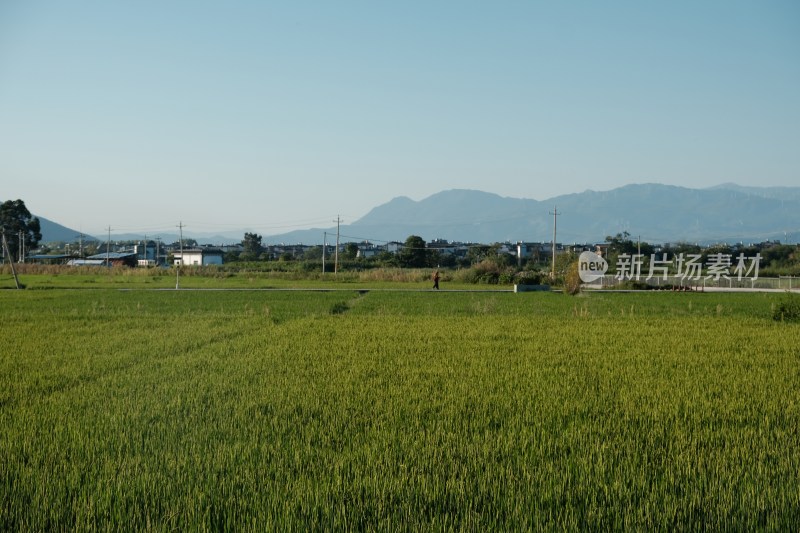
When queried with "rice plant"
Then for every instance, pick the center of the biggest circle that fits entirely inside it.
(126, 410)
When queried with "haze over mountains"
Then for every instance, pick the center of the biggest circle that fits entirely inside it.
(657, 213)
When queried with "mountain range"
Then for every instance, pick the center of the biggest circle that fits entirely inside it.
(654, 212)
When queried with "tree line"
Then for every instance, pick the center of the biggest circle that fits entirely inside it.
(21, 230)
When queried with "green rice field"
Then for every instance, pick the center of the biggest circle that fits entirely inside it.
(397, 410)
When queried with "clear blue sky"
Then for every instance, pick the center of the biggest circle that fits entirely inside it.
(274, 116)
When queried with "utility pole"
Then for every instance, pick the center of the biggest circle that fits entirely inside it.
(21, 258)
(7, 253)
(80, 245)
(324, 245)
(555, 214)
(336, 256)
(178, 269)
(108, 247)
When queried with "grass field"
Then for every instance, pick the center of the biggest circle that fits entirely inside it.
(199, 410)
(41, 277)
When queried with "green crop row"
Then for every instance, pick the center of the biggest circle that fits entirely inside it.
(44, 277)
(383, 410)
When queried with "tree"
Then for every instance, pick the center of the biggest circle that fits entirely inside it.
(477, 253)
(502, 259)
(252, 243)
(350, 250)
(387, 259)
(621, 244)
(779, 255)
(414, 253)
(442, 260)
(252, 246)
(17, 221)
(313, 254)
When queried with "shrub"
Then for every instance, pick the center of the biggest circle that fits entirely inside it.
(530, 277)
(572, 280)
(634, 285)
(788, 309)
(485, 272)
(489, 278)
(506, 278)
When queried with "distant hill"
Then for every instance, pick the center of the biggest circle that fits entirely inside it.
(782, 193)
(657, 213)
(215, 239)
(54, 232)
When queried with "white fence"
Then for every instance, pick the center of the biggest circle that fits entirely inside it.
(780, 283)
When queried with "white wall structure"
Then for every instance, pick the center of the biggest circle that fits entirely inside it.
(198, 257)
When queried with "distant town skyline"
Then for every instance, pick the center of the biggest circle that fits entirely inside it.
(282, 116)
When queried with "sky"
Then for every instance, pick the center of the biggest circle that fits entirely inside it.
(275, 116)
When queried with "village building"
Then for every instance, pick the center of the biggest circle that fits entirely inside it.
(198, 256)
(128, 259)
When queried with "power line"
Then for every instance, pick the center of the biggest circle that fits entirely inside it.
(365, 239)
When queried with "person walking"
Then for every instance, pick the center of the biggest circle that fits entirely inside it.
(436, 280)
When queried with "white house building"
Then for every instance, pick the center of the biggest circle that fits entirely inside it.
(198, 256)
